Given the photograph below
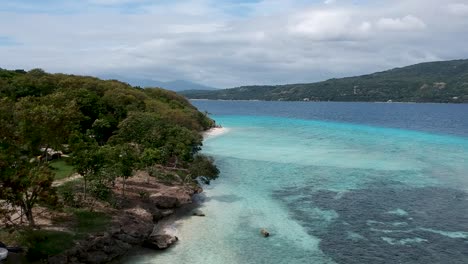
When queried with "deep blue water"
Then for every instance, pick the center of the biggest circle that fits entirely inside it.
(345, 183)
(436, 118)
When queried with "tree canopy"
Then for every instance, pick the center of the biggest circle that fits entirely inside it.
(110, 128)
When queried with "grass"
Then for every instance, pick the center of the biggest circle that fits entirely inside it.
(44, 243)
(88, 222)
(62, 169)
(9, 238)
(41, 244)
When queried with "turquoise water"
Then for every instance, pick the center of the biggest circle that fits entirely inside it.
(328, 192)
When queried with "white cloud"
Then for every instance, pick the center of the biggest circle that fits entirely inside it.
(406, 23)
(328, 25)
(458, 9)
(227, 44)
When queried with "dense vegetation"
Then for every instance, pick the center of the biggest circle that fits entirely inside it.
(108, 128)
(440, 82)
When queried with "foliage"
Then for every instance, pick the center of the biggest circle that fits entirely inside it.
(110, 129)
(203, 168)
(61, 169)
(88, 221)
(44, 243)
(26, 183)
(87, 159)
(442, 82)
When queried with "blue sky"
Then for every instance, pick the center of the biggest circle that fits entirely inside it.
(227, 43)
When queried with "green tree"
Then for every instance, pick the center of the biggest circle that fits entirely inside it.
(203, 168)
(125, 159)
(24, 183)
(87, 159)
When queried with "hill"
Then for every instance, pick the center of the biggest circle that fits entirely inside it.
(177, 85)
(108, 129)
(441, 82)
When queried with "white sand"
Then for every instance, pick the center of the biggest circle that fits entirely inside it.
(216, 131)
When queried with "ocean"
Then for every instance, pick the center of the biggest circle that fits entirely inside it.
(333, 183)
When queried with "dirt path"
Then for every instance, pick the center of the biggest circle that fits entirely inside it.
(73, 177)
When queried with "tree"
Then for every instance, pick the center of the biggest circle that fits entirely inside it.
(24, 183)
(45, 122)
(24, 179)
(203, 168)
(124, 158)
(87, 159)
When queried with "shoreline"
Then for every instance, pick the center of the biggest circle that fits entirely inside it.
(215, 131)
(143, 224)
(167, 225)
(301, 101)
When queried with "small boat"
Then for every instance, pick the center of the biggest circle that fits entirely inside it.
(3, 253)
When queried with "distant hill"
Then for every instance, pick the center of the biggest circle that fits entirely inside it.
(177, 85)
(441, 82)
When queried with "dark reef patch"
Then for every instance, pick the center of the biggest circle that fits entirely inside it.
(384, 223)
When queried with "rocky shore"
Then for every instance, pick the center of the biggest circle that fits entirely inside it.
(147, 203)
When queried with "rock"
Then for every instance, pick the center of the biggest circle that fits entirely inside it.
(96, 257)
(131, 227)
(198, 213)
(157, 215)
(58, 259)
(165, 202)
(173, 197)
(167, 213)
(264, 232)
(161, 241)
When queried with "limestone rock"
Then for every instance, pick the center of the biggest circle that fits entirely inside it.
(160, 241)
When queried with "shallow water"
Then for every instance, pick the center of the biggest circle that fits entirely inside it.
(328, 192)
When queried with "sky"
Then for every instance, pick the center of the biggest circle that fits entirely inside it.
(229, 43)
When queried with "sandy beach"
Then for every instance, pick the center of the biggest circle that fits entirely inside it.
(216, 131)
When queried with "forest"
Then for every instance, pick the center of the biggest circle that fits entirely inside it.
(438, 82)
(102, 130)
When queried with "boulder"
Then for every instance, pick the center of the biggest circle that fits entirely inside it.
(165, 202)
(160, 241)
(198, 213)
(264, 232)
(167, 213)
(157, 215)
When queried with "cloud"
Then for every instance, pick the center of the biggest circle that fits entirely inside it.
(228, 43)
(458, 9)
(407, 23)
(329, 2)
(329, 25)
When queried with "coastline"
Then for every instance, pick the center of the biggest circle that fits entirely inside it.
(143, 226)
(301, 101)
(216, 131)
(167, 225)
(143, 223)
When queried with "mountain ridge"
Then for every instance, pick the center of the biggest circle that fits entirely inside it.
(440, 81)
